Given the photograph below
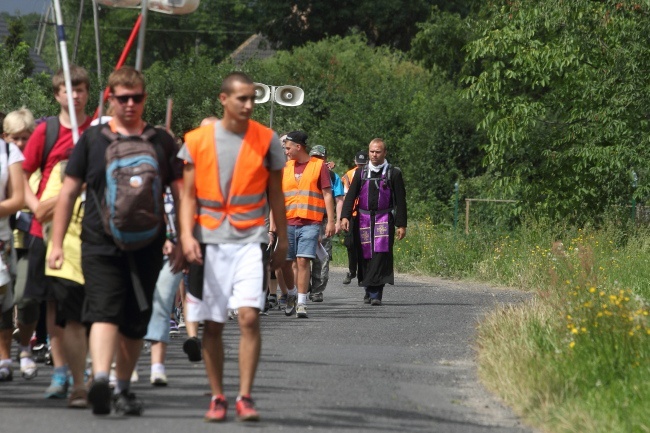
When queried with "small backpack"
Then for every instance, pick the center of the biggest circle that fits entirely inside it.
(133, 208)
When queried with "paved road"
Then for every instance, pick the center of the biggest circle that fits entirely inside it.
(406, 366)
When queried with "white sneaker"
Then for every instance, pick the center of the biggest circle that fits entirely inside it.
(28, 367)
(158, 379)
(301, 311)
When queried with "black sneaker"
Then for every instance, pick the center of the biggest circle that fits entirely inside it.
(99, 397)
(317, 297)
(125, 403)
(366, 299)
(348, 278)
(39, 352)
(375, 302)
(192, 347)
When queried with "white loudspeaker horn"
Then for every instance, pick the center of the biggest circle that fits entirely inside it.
(262, 93)
(174, 7)
(291, 96)
(120, 3)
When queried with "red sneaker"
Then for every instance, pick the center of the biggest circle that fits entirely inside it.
(217, 411)
(246, 409)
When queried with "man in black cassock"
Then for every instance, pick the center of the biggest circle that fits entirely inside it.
(377, 193)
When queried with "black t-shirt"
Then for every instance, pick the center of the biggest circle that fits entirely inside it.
(88, 163)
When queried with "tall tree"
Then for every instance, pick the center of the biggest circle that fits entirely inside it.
(383, 22)
(565, 98)
(16, 46)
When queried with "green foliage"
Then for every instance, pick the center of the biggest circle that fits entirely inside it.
(383, 22)
(185, 81)
(354, 93)
(564, 94)
(18, 87)
(439, 43)
(16, 47)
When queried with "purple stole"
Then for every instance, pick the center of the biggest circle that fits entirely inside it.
(378, 241)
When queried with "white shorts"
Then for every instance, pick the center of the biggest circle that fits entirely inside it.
(233, 277)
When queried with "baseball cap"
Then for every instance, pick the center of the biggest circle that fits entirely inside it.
(297, 137)
(361, 158)
(318, 150)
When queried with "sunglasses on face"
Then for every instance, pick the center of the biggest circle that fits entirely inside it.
(123, 99)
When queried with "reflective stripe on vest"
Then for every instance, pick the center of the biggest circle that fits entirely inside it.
(245, 207)
(304, 199)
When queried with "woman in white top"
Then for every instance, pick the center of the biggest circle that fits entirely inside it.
(12, 199)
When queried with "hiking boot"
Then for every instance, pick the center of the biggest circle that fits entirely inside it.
(192, 347)
(317, 297)
(348, 278)
(282, 302)
(217, 410)
(246, 409)
(366, 299)
(125, 403)
(99, 397)
(158, 379)
(375, 302)
(58, 387)
(273, 300)
(78, 399)
(301, 311)
(6, 373)
(28, 367)
(291, 305)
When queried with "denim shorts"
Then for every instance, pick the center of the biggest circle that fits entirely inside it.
(163, 303)
(303, 241)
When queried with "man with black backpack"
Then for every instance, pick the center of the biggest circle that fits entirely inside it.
(125, 165)
(49, 144)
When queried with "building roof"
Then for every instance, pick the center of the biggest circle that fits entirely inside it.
(255, 47)
(39, 64)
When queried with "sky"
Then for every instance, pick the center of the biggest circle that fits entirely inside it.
(23, 6)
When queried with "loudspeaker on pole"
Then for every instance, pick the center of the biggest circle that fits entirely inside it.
(262, 93)
(290, 96)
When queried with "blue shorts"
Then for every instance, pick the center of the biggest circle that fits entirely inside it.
(303, 241)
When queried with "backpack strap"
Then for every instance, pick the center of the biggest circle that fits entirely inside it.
(108, 133)
(148, 134)
(52, 126)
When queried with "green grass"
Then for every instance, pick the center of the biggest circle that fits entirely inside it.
(577, 356)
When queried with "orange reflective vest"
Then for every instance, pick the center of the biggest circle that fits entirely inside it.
(347, 181)
(347, 178)
(304, 199)
(245, 206)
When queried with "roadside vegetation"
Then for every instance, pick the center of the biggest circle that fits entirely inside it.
(576, 357)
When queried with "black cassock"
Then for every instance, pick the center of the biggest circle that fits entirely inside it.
(378, 270)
